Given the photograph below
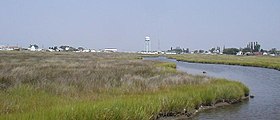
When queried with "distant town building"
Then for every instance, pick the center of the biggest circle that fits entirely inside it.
(170, 53)
(33, 47)
(86, 50)
(177, 50)
(93, 50)
(239, 53)
(66, 48)
(1, 47)
(110, 50)
(265, 53)
(81, 49)
(9, 48)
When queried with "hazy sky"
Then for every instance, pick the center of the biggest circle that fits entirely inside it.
(194, 24)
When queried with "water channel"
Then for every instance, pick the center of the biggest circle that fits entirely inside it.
(264, 84)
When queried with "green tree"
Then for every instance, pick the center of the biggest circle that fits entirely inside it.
(246, 50)
(257, 48)
(212, 50)
(273, 51)
(186, 50)
(178, 51)
(201, 51)
(231, 51)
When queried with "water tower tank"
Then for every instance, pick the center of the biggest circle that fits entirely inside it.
(147, 38)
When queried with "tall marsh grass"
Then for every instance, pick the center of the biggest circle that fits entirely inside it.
(102, 86)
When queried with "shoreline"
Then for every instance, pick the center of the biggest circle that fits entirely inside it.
(223, 63)
(175, 115)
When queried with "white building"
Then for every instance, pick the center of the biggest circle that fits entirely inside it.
(86, 50)
(265, 53)
(67, 48)
(171, 53)
(93, 50)
(239, 53)
(9, 48)
(34, 48)
(110, 50)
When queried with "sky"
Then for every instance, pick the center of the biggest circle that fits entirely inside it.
(123, 24)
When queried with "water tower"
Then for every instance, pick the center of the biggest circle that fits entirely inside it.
(147, 44)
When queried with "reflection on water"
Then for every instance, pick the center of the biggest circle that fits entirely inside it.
(263, 83)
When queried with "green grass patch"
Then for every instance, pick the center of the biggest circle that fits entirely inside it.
(142, 106)
(167, 66)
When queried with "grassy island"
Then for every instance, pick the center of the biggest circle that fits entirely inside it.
(100, 86)
(255, 61)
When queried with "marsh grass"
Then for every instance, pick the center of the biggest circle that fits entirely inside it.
(101, 86)
(256, 61)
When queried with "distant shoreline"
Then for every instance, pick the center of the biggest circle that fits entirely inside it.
(232, 60)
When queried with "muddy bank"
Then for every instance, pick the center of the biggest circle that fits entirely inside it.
(184, 114)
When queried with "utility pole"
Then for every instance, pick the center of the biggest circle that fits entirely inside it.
(159, 45)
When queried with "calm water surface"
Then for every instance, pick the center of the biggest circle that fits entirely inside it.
(263, 83)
